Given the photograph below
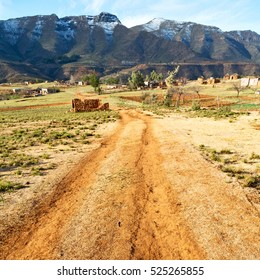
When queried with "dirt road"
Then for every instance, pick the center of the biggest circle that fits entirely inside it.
(144, 194)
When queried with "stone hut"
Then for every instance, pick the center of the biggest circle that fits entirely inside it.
(226, 77)
(235, 76)
(88, 105)
(201, 80)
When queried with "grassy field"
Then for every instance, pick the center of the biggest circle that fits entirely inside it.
(32, 137)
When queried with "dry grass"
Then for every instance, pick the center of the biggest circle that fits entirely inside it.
(33, 142)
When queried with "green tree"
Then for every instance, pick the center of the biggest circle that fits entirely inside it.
(112, 81)
(160, 77)
(136, 80)
(94, 81)
(147, 78)
(154, 76)
(86, 79)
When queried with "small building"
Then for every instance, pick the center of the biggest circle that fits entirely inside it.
(234, 76)
(88, 105)
(245, 82)
(26, 92)
(112, 86)
(44, 91)
(212, 81)
(253, 82)
(226, 77)
(17, 90)
(151, 84)
(201, 80)
(21, 90)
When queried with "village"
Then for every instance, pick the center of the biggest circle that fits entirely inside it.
(30, 89)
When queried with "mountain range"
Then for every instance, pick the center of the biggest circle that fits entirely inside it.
(49, 47)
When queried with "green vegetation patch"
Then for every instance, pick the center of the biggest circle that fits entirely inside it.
(221, 113)
(6, 186)
(14, 160)
(244, 107)
(252, 182)
(230, 162)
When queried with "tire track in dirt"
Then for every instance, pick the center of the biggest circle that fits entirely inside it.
(161, 232)
(116, 204)
(51, 213)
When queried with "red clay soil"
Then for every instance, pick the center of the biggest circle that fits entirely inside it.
(205, 100)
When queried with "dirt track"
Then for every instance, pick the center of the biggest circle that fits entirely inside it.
(141, 195)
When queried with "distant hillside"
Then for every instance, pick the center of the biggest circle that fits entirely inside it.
(49, 47)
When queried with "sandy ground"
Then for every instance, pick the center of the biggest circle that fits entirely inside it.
(144, 192)
(220, 214)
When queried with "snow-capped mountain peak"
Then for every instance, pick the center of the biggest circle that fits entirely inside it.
(154, 24)
(104, 20)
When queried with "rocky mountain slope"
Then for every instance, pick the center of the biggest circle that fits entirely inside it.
(50, 47)
(208, 41)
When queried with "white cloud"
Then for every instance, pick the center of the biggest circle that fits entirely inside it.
(238, 15)
(133, 12)
(91, 7)
(5, 6)
(72, 4)
(130, 21)
(227, 17)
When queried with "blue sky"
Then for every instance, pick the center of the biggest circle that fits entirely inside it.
(227, 15)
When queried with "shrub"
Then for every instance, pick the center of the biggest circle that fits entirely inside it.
(226, 152)
(36, 171)
(252, 182)
(168, 100)
(231, 170)
(86, 135)
(45, 156)
(9, 186)
(38, 133)
(214, 156)
(144, 96)
(254, 156)
(195, 105)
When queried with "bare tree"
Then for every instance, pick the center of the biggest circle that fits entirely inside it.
(238, 88)
(179, 91)
(72, 80)
(170, 80)
(196, 89)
